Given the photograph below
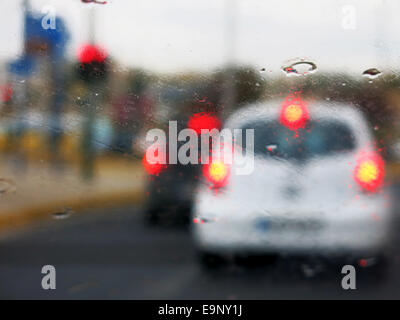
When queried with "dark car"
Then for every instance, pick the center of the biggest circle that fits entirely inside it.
(171, 187)
(171, 193)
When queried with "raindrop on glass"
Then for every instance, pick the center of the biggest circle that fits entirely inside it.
(372, 73)
(272, 147)
(64, 214)
(7, 186)
(300, 68)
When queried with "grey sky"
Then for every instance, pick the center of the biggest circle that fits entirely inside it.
(177, 35)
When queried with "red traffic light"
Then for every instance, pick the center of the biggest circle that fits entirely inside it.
(91, 53)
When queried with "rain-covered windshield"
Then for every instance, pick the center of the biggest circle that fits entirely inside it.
(109, 187)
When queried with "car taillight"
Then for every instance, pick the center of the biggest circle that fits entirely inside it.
(203, 120)
(153, 167)
(294, 114)
(216, 172)
(369, 172)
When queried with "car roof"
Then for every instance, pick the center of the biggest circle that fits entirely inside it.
(345, 113)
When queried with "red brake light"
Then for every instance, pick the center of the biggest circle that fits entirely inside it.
(294, 114)
(153, 168)
(369, 172)
(217, 173)
(203, 120)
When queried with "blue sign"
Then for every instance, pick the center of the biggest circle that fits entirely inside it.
(53, 39)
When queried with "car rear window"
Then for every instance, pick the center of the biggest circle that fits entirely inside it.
(318, 138)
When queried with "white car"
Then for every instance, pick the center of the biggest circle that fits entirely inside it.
(317, 186)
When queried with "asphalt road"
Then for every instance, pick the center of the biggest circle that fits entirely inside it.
(112, 254)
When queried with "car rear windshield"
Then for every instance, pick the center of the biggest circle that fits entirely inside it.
(318, 138)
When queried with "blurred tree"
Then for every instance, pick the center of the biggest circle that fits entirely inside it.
(249, 85)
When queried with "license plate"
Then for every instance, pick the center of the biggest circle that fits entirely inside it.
(262, 225)
(267, 224)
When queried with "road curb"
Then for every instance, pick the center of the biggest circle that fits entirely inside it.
(23, 217)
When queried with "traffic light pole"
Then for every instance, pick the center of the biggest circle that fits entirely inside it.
(92, 101)
(229, 90)
(20, 88)
(88, 151)
(56, 108)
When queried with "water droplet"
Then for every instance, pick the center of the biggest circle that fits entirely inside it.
(344, 84)
(300, 68)
(367, 262)
(94, 1)
(372, 73)
(272, 147)
(311, 271)
(308, 271)
(64, 214)
(7, 186)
